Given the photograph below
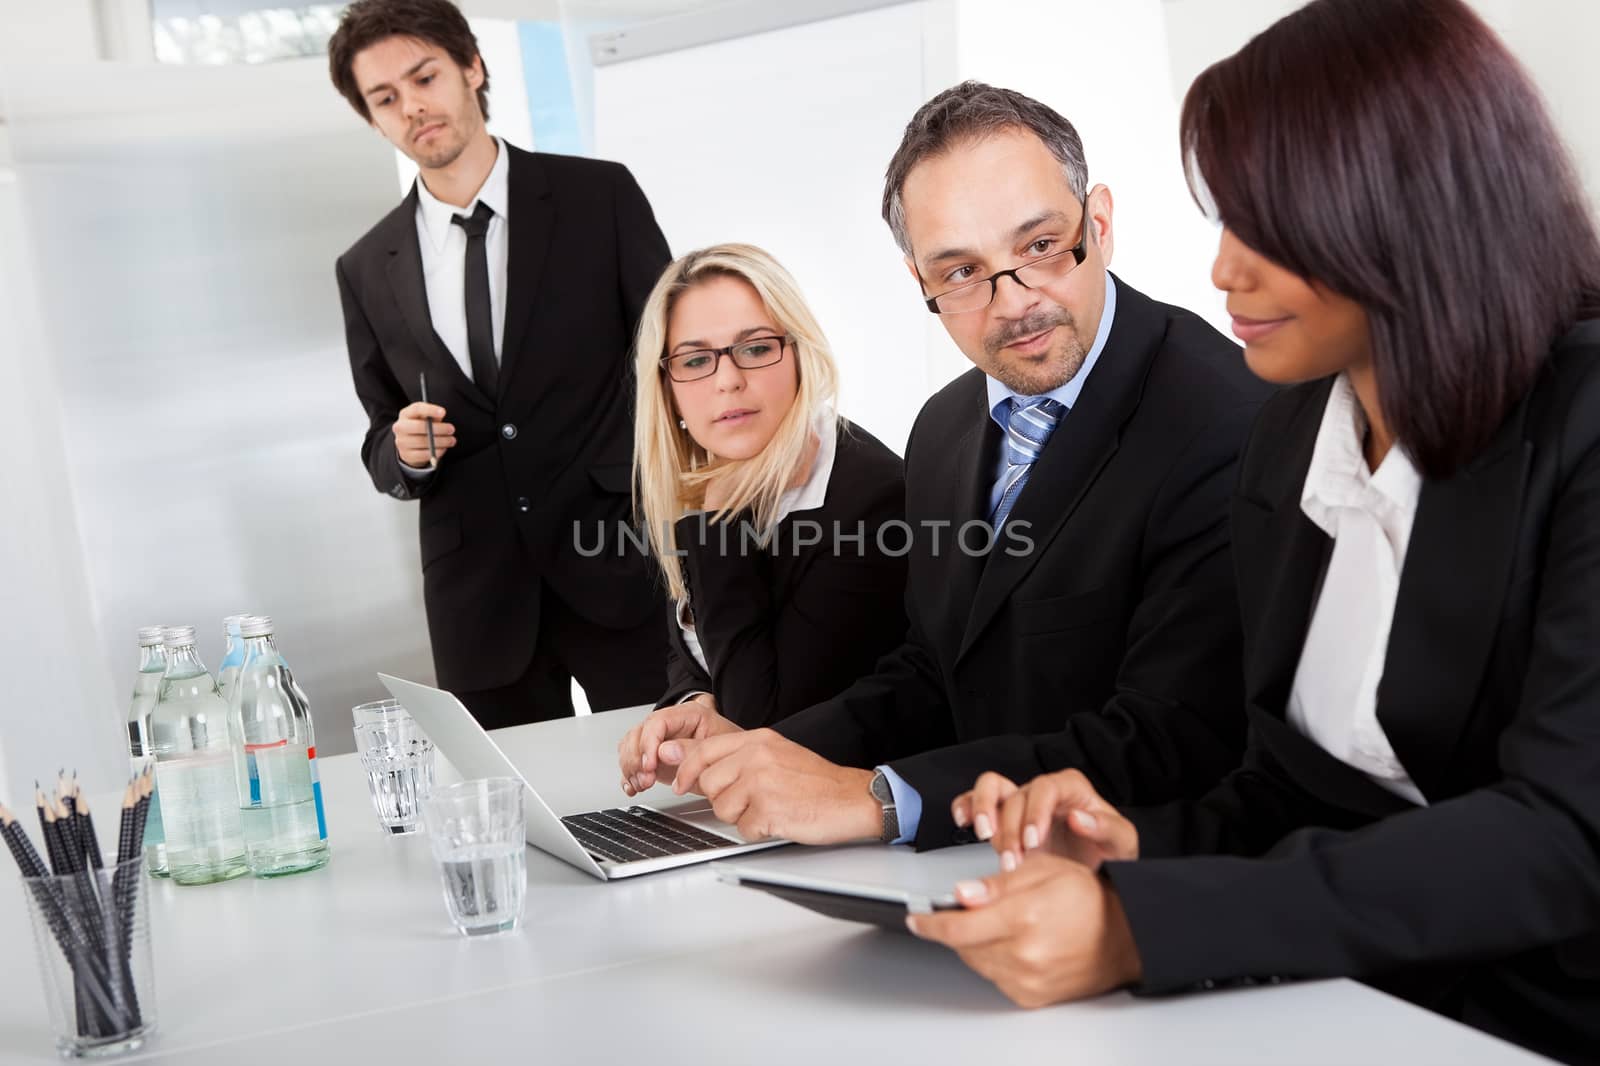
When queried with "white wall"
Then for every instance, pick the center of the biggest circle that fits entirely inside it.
(1106, 70)
(780, 140)
(60, 701)
(1553, 38)
(189, 436)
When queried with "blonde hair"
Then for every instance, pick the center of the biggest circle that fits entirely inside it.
(670, 470)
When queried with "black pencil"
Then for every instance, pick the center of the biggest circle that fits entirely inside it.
(40, 803)
(52, 836)
(125, 830)
(91, 842)
(124, 895)
(22, 848)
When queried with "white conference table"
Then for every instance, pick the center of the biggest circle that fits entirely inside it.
(358, 962)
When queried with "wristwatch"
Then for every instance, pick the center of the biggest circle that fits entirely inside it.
(885, 796)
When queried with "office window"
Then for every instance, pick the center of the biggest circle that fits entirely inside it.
(240, 31)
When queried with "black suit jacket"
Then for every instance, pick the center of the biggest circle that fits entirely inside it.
(1120, 625)
(786, 627)
(1486, 903)
(497, 518)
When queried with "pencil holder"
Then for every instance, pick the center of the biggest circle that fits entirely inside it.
(92, 934)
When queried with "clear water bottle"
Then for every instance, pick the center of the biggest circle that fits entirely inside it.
(232, 654)
(194, 769)
(141, 745)
(275, 761)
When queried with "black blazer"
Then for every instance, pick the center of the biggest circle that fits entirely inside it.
(497, 518)
(1120, 625)
(1485, 904)
(786, 627)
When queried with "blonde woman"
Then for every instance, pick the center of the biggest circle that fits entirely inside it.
(773, 520)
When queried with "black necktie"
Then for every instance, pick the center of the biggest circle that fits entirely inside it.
(480, 316)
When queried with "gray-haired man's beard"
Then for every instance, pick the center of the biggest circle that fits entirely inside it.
(1061, 367)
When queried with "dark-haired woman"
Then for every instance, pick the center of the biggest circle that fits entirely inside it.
(1417, 528)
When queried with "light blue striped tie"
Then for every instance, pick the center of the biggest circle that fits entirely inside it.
(1028, 429)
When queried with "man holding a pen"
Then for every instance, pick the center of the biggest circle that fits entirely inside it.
(488, 320)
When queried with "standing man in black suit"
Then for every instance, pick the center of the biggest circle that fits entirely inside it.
(1100, 427)
(511, 282)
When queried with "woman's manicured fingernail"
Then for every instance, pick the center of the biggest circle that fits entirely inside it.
(974, 891)
(1008, 861)
(1030, 837)
(983, 828)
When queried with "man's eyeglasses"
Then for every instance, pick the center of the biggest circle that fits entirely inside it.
(976, 295)
(750, 354)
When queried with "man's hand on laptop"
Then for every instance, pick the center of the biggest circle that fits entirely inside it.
(693, 719)
(768, 786)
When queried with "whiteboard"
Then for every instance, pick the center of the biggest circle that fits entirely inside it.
(780, 139)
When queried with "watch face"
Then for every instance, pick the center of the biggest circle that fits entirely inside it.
(880, 788)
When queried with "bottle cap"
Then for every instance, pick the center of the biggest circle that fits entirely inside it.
(150, 636)
(255, 625)
(178, 636)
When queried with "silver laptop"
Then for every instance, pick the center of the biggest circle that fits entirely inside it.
(609, 844)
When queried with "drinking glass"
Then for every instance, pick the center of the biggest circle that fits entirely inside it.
(476, 832)
(92, 935)
(398, 758)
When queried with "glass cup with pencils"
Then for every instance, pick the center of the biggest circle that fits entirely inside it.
(91, 921)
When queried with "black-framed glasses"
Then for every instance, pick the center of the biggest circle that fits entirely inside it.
(751, 354)
(976, 295)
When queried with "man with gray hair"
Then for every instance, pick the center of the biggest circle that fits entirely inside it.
(1104, 424)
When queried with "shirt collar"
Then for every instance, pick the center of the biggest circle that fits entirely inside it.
(1000, 396)
(1338, 475)
(812, 494)
(436, 214)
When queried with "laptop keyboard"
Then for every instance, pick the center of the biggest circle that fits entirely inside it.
(639, 833)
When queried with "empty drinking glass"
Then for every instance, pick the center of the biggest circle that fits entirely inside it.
(476, 831)
(398, 758)
(92, 932)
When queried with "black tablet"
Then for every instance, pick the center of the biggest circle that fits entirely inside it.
(881, 905)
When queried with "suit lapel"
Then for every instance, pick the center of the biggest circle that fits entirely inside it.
(1085, 440)
(974, 465)
(532, 220)
(411, 294)
(1279, 554)
(1447, 610)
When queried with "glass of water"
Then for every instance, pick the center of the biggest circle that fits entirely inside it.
(476, 832)
(398, 758)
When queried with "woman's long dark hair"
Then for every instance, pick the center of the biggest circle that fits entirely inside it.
(1396, 152)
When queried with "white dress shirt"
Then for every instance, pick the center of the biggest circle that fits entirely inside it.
(806, 497)
(444, 259)
(1369, 516)
(443, 245)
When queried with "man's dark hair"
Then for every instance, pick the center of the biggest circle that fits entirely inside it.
(968, 112)
(366, 22)
(1398, 154)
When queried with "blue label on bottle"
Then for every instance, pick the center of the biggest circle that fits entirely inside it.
(316, 794)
